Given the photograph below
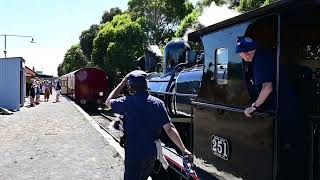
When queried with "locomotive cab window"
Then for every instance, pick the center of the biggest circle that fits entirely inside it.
(222, 66)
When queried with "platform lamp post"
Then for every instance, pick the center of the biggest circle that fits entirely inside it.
(5, 41)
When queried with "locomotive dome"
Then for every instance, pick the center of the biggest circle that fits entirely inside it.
(175, 53)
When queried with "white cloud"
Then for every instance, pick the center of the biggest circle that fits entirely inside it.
(42, 59)
(214, 14)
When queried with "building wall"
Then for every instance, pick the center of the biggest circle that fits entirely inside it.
(10, 83)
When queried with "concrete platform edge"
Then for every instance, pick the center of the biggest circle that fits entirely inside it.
(108, 137)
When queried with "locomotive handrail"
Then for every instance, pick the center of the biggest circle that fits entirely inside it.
(173, 74)
(158, 80)
(234, 109)
(187, 95)
(177, 94)
(163, 93)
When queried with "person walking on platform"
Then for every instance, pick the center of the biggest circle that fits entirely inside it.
(46, 91)
(38, 93)
(58, 89)
(145, 116)
(32, 94)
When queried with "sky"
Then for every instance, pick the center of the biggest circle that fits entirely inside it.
(55, 25)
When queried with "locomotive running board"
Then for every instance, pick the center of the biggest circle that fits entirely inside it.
(176, 163)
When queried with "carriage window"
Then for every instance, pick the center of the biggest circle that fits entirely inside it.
(222, 66)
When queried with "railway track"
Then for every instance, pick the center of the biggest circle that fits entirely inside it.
(106, 122)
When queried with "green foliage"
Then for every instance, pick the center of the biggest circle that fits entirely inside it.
(86, 40)
(267, 2)
(117, 45)
(108, 15)
(248, 5)
(73, 60)
(205, 3)
(191, 19)
(187, 22)
(161, 17)
(61, 70)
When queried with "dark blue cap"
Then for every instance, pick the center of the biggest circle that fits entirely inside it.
(245, 44)
(137, 78)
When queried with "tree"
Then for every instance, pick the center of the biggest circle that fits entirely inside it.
(161, 17)
(108, 15)
(117, 45)
(61, 70)
(191, 20)
(248, 5)
(73, 60)
(86, 40)
(187, 22)
(205, 3)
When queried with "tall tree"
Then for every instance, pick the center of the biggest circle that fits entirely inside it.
(187, 22)
(73, 60)
(108, 15)
(205, 3)
(86, 40)
(248, 5)
(161, 16)
(61, 70)
(117, 45)
(191, 20)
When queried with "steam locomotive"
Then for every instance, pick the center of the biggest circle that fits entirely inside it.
(206, 98)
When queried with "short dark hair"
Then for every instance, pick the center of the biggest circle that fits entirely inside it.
(138, 88)
(137, 81)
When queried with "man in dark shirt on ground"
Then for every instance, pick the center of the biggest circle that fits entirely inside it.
(145, 117)
(264, 66)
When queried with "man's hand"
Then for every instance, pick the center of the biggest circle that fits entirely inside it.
(249, 110)
(186, 152)
(126, 77)
(115, 93)
(175, 137)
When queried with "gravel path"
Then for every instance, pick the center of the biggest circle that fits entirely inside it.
(54, 141)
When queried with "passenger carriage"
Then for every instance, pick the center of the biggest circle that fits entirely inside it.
(87, 86)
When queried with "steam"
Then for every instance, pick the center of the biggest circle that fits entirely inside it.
(211, 15)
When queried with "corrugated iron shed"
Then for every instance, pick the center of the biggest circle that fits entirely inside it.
(12, 83)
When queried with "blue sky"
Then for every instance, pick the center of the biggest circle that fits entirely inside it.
(55, 25)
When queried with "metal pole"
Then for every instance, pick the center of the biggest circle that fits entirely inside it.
(5, 46)
(5, 41)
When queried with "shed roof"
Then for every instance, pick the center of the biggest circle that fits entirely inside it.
(30, 72)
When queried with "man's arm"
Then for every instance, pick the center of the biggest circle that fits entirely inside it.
(115, 93)
(175, 137)
(264, 94)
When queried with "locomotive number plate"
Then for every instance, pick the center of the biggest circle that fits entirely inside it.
(220, 147)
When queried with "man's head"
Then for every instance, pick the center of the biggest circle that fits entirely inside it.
(246, 47)
(137, 81)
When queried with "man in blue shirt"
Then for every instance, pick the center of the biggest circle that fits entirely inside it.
(264, 66)
(145, 116)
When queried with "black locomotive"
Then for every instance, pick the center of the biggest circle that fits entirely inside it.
(206, 99)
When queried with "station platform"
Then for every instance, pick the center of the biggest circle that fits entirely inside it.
(55, 141)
